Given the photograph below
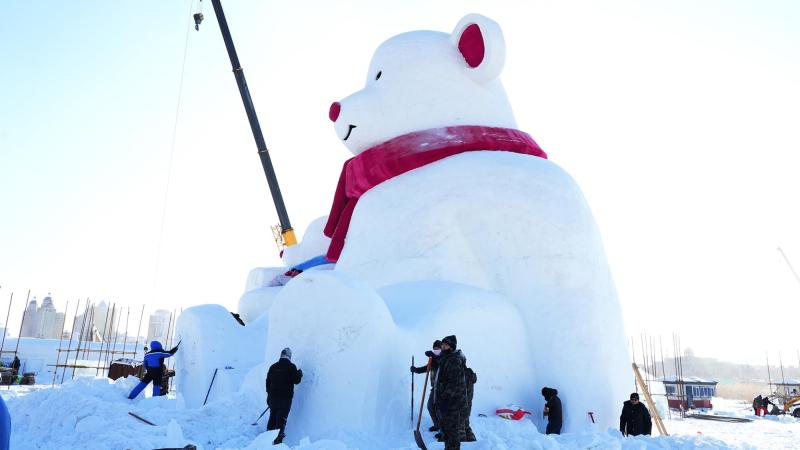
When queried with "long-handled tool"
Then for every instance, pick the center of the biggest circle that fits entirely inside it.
(209, 386)
(259, 417)
(412, 393)
(141, 419)
(417, 435)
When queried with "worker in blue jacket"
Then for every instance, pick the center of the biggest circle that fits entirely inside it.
(154, 365)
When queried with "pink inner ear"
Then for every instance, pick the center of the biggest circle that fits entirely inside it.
(471, 45)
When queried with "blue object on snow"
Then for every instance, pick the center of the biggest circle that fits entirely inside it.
(5, 426)
(313, 262)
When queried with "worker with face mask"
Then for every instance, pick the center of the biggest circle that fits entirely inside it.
(434, 355)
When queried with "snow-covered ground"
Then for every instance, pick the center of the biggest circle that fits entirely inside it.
(92, 413)
(771, 432)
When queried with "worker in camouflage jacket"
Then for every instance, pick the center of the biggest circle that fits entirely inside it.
(451, 393)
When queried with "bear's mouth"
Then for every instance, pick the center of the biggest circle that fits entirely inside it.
(350, 130)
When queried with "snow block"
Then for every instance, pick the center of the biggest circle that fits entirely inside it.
(340, 334)
(211, 340)
(258, 301)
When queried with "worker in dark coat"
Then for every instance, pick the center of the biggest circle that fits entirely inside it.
(765, 402)
(756, 404)
(635, 418)
(467, 435)
(552, 410)
(451, 393)
(434, 354)
(15, 365)
(154, 366)
(281, 378)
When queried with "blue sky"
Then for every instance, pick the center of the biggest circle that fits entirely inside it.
(678, 120)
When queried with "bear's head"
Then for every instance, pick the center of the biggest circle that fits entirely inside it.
(427, 79)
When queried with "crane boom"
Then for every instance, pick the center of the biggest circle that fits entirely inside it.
(287, 233)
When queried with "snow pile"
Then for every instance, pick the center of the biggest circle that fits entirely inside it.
(93, 414)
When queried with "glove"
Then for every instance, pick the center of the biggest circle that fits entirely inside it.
(413, 369)
(429, 354)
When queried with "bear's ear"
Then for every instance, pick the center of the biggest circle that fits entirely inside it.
(480, 42)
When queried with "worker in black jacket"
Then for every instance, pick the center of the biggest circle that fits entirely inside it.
(635, 418)
(281, 378)
(552, 409)
(434, 355)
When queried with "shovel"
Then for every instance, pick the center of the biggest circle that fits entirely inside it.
(259, 417)
(417, 435)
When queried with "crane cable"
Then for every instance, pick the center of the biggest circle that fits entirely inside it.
(785, 258)
(171, 154)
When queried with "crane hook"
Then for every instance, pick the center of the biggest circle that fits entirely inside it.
(198, 18)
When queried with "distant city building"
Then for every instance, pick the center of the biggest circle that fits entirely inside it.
(158, 327)
(101, 321)
(30, 319)
(42, 322)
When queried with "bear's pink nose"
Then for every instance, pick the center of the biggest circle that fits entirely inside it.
(336, 107)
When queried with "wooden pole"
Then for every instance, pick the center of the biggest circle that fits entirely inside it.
(633, 356)
(22, 322)
(69, 346)
(680, 364)
(783, 380)
(664, 374)
(115, 332)
(169, 329)
(655, 414)
(171, 361)
(108, 319)
(769, 376)
(125, 344)
(8, 314)
(88, 314)
(138, 330)
(60, 340)
(88, 330)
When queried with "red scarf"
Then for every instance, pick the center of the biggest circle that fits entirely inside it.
(407, 152)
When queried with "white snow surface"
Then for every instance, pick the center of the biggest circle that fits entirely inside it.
(93, 414)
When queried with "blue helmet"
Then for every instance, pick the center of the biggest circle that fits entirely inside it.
(155, 345)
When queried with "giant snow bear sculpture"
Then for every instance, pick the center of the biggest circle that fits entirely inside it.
(448, 220)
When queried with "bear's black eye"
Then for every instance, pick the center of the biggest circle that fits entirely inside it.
(378, 76)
